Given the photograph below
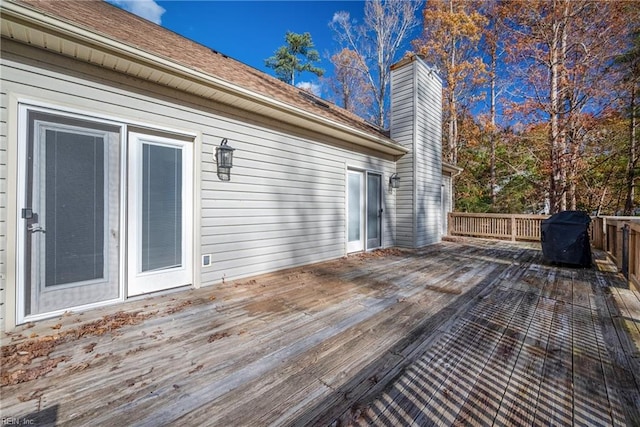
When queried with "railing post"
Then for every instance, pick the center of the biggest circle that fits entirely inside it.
(625, 251)
(513, 228)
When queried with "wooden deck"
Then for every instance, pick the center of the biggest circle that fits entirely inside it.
(467, 332)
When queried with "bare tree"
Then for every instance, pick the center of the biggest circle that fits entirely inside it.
(387, 23)
(630, 64)
(558, 52)
(349, 85)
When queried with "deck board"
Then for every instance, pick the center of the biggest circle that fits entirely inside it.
(465, 332)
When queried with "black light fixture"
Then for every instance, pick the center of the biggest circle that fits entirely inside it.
(394, 180)
(224, 160)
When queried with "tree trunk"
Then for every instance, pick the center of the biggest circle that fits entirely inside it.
(557, 133)
(632, 162)
(453, 104)
(568, 141)
(554, 131)
(492, 133)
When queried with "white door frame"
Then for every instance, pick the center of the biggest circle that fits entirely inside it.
(139, 282)
(23, 109)
(361, 245)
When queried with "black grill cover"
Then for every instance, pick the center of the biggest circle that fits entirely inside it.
(565, 238)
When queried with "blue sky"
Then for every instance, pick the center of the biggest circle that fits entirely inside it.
(249, 31)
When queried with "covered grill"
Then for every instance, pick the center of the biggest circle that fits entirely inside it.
(565, 238)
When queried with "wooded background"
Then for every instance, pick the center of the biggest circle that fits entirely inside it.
(540, 96)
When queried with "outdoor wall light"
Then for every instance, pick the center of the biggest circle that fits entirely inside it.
(394, 180)
(224, 160)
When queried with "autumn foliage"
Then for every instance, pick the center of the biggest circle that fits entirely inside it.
(536, 101)
(540, 97)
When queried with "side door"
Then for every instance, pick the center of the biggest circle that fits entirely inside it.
(160, 212)
(69, 241)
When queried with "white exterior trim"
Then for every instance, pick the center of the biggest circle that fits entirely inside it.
(18, 107)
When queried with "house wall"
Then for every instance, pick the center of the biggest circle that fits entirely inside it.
(416, 117)
(284, 205)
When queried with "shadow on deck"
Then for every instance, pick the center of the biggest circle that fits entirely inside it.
(469, 332)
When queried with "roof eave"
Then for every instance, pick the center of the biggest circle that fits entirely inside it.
(218, 89)
(452, 169)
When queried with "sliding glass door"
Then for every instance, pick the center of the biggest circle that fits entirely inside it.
(364, 210)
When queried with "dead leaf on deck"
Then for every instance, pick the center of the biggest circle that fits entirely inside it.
(196, 369)
(109, 323)
(58, 326)
(23, 353)
(89, 347)
(36, 394)
(135, 350)
(179, 307)
(24, 375)
(79, 367)
(251, 282)
(17, 357)
(217, 336)
(383, 253)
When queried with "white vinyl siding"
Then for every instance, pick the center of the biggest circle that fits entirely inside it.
(285, 203)
(403, 131)
(416, 124)
(428, 151)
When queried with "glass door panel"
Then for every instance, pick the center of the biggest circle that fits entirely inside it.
(355, 211)
(374, 211)
(161, 207)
